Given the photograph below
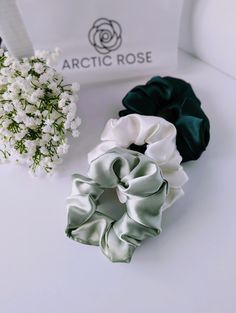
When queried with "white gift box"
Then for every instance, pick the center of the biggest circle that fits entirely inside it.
(104, 40)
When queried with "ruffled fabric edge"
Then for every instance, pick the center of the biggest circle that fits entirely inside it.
(160, 137)
(137, 177)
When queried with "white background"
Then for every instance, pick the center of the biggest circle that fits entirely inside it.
(208, 31)
(190, 267)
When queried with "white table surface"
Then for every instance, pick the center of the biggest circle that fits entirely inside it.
(190, 267)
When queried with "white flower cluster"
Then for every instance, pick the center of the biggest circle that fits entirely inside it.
(37, 110)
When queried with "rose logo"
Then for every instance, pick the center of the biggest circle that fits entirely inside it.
(105, 35)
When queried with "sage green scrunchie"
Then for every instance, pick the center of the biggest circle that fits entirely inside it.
(139, 184)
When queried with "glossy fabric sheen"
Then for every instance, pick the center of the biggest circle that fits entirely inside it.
(160, 138)
(174, 100)
(138, 178)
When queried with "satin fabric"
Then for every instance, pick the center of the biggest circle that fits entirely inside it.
(159, 137)
(138, 178)
(174, 100)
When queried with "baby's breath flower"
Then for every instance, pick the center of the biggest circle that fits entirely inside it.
(75, 123)
(75, 87)
(75, 133)
(39, 68)
(37, 111)
(8, 107)
(62, 149)
(55, 138)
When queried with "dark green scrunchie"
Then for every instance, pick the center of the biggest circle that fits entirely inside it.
(174, 100)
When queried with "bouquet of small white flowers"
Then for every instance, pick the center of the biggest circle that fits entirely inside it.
(37, 111)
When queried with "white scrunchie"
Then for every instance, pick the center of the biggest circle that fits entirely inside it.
(160, 137)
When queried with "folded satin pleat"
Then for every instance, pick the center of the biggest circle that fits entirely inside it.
(160, 137)
(174, 100)
(140, 182)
